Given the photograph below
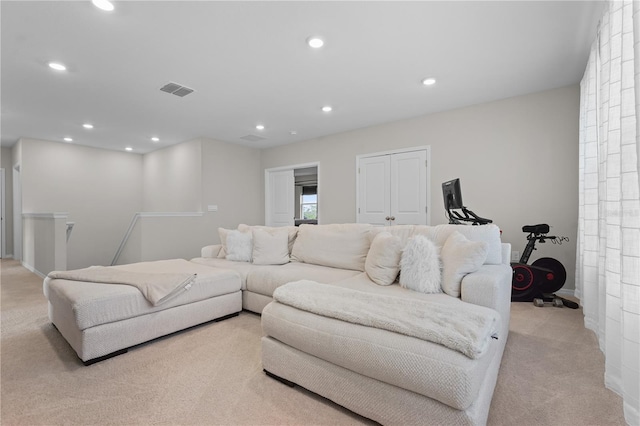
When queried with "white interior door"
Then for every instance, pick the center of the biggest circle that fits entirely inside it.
(392, 188)
(3, 247)
(409, 188)
(374, 190)
(17, 213)
(280, 205)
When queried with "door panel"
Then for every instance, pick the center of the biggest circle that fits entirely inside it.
(280, 202)
(373, 191)
(409, 188)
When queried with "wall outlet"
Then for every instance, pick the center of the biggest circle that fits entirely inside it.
(212, 208)
(515, 255)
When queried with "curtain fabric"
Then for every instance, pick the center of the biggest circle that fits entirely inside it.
(608, 247)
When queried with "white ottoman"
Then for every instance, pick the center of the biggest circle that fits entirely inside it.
(103, 320)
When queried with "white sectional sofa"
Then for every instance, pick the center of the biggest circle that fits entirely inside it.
(380, 374)
(408, 353)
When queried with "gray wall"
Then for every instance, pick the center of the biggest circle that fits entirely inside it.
(172, 178)
(187, 178)
(517, 160)
(100, 189)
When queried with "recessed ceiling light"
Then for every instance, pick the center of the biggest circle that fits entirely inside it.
(87, 126)
(293, 132)
(315, 42)
(57, 66)
(155, 139)
(260, 127)
(327, 108)
(67, 139)
(103, 4)
(129, 148)
(429, 81)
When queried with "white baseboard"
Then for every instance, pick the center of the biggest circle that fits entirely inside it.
(7, 256)
(34, 270)
(566, 292)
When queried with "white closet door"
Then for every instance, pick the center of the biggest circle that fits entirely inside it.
(373, 190)
(280, 201)
(409, 188)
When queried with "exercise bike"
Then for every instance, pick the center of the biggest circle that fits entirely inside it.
(538, 281)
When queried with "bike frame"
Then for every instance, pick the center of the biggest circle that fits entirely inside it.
(531, 245)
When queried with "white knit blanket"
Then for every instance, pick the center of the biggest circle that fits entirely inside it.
(458, 327)
(156, 287)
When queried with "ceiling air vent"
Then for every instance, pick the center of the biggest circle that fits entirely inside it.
(176, 89)
(253, 138)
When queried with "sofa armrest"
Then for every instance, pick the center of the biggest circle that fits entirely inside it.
(211, 251)
(490, 286)
(506, 253)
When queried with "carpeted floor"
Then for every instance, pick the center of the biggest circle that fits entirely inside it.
(551, 374)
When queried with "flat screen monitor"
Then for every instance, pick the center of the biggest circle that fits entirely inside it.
(452, 194)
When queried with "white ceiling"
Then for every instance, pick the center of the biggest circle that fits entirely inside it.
(248, 63)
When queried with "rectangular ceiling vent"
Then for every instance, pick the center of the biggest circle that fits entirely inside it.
(176, 89)
(253, 138)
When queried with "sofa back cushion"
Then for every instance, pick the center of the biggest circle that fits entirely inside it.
(337, 245)
(402, 232)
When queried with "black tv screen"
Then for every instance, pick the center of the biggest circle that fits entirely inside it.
(452, 194)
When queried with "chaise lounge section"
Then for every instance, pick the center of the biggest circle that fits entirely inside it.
(386, 376)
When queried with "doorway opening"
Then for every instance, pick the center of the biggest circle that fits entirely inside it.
(292, 195)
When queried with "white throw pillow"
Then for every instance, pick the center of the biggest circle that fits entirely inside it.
(459, 258)
(270, 246)
(383, 260)
(292, 231)
(239, 246)
(222, 232)
(490, 234)
(420, 266)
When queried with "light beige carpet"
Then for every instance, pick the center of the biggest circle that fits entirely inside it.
(552, 373)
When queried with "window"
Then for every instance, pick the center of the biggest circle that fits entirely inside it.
(309, 202)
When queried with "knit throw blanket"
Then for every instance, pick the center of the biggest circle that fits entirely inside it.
(156, 287)
(457, 327)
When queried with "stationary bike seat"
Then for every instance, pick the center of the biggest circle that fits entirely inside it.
(542, 228)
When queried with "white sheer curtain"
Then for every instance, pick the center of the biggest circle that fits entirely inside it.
(608, 252)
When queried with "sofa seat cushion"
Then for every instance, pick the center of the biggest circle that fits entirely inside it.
(95, 304)
(426, 368)
(264, 281)
(242, 268)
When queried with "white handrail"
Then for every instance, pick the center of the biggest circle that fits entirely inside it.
(134, 220)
